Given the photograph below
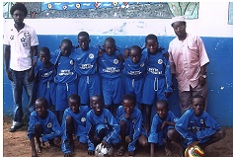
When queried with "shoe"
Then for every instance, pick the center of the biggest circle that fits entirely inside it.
(13, 128)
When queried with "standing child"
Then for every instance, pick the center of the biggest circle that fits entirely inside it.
(158, 81)
(135, 70)
(162, 128)
(130, 119)
(110, 69)
(101, 126)
(44, 74)
(66, 78)
(85, 59)
(43, 123)
(73, 122)
(197, 125)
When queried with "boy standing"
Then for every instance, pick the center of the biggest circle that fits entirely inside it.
(110, 69)
(85, 59)
(158, 81)
(43, 123)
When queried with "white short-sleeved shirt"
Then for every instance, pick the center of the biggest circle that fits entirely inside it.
(20, 43)
(186, 58)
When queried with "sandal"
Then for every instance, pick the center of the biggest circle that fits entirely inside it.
(120, 151)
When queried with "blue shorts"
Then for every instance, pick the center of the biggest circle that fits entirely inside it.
(112, 90)
(88, 86)
(133, 86)
(47, 91)
(63, 91)
(154, 89)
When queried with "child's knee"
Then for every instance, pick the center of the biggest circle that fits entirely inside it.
(69, 120)
(221, 134)
(102, 133)
(37, 127)
(173, 134)
(57, 140)
(123, 124)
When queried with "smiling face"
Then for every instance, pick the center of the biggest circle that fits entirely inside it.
(128, 106)
(198, 105)
(96, 105)
(18, 17)
(44, 56)
(74, 105)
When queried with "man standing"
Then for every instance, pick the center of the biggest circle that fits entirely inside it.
(20, 48)
(188, 60)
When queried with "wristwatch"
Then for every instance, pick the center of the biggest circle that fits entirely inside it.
(204, 76)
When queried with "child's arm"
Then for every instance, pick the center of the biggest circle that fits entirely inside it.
(168, 77)
(56, 130)
(91, 147)
(137, 131)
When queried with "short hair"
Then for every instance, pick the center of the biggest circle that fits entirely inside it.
(199, 97)
(151, 36)
(68, 41)
(130, 97)
(138, 48)
(46, 50)
(111, 40)
(74, 97)
(164, 102)
(19, 6)
(43, 101)
(83, 33)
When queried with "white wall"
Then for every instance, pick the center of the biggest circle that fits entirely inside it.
(212, 21)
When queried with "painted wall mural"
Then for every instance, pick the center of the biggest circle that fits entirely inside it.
(111, 10)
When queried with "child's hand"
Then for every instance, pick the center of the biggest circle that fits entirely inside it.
(34, 154)
(163, 125)
(126, 53)
(91, 152)
(68, 154)
(45, 145)
(167, 94)
(127, 116)
(131, 154)
(105, 144)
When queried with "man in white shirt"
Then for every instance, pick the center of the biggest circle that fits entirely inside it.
(20, 48)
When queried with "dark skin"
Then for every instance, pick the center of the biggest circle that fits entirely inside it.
(162, 110)
(84, 41)
(97, 106)
(180, 31)
(152, 47)
(18, 17)
(135, 55)
(74, 106)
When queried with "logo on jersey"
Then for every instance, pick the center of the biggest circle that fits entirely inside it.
(71, 62)
(83, 119)
(115, 61)
(12, 37)
(91, 55)
(142, 65)
(49, 125)
(160, 61)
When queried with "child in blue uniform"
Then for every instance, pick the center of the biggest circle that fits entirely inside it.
(130, 119)
(101, 126)
(73, 122)
(197, 125)
(158, 81)
(66, 78)
(135, 70)
(85, 58)
(43, 124)
(44, 74)
(110, 68)
(162, 128)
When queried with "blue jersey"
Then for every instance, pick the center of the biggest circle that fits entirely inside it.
(85, 61)
(65, 70)
(106, 119)
(193, 128)
(156, 134)
(135, 70)
(45, 75)
(136, 124)
(49, 126)
(110, 66)
(79, 127)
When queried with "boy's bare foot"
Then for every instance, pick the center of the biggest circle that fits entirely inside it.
(38, 148)
(168, 151)
(181, 152)
(46, 145)
(120, 151)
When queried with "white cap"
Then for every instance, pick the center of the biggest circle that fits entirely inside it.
(178, 19)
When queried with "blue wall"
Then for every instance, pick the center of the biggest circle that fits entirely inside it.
(219, 72)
